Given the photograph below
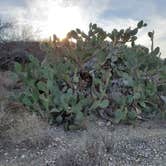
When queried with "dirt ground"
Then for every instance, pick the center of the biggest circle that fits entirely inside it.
(101, 144)
(25, 140)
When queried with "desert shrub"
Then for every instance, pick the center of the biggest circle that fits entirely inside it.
(47, 92)
(3, 27)
(91, 74)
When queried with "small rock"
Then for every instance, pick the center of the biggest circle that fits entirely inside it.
(110, 159)
(108, 124)
(101, 124)
(23, 156)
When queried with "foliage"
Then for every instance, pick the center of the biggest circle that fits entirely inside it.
(48, 94)
(3, 27)
(86, 73)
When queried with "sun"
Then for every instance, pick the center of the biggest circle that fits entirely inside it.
(59, 19)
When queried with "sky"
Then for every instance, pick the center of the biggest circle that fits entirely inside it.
(60, 16)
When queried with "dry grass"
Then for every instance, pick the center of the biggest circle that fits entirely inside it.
(19, 125)
(93, 151)
(16, 123)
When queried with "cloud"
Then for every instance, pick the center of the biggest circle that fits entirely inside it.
(51, 16)
(156, 23)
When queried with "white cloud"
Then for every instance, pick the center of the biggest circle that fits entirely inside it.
(55, 16)
(156, 23)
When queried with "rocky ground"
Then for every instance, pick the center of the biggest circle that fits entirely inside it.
(101, 145)
(26, 140)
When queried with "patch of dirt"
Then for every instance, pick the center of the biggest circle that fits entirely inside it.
(102, 144)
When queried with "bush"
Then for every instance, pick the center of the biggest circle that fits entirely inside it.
(118, 82)
(3, 27)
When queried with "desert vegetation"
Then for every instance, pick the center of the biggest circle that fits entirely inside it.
(97, 73)
(96, 81)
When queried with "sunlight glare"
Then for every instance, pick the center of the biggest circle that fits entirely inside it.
(59, 19)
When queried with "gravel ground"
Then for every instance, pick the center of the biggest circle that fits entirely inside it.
(102, 144)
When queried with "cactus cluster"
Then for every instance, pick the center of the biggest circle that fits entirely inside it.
(96, 76)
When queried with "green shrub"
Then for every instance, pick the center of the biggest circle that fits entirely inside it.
(120, 83)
